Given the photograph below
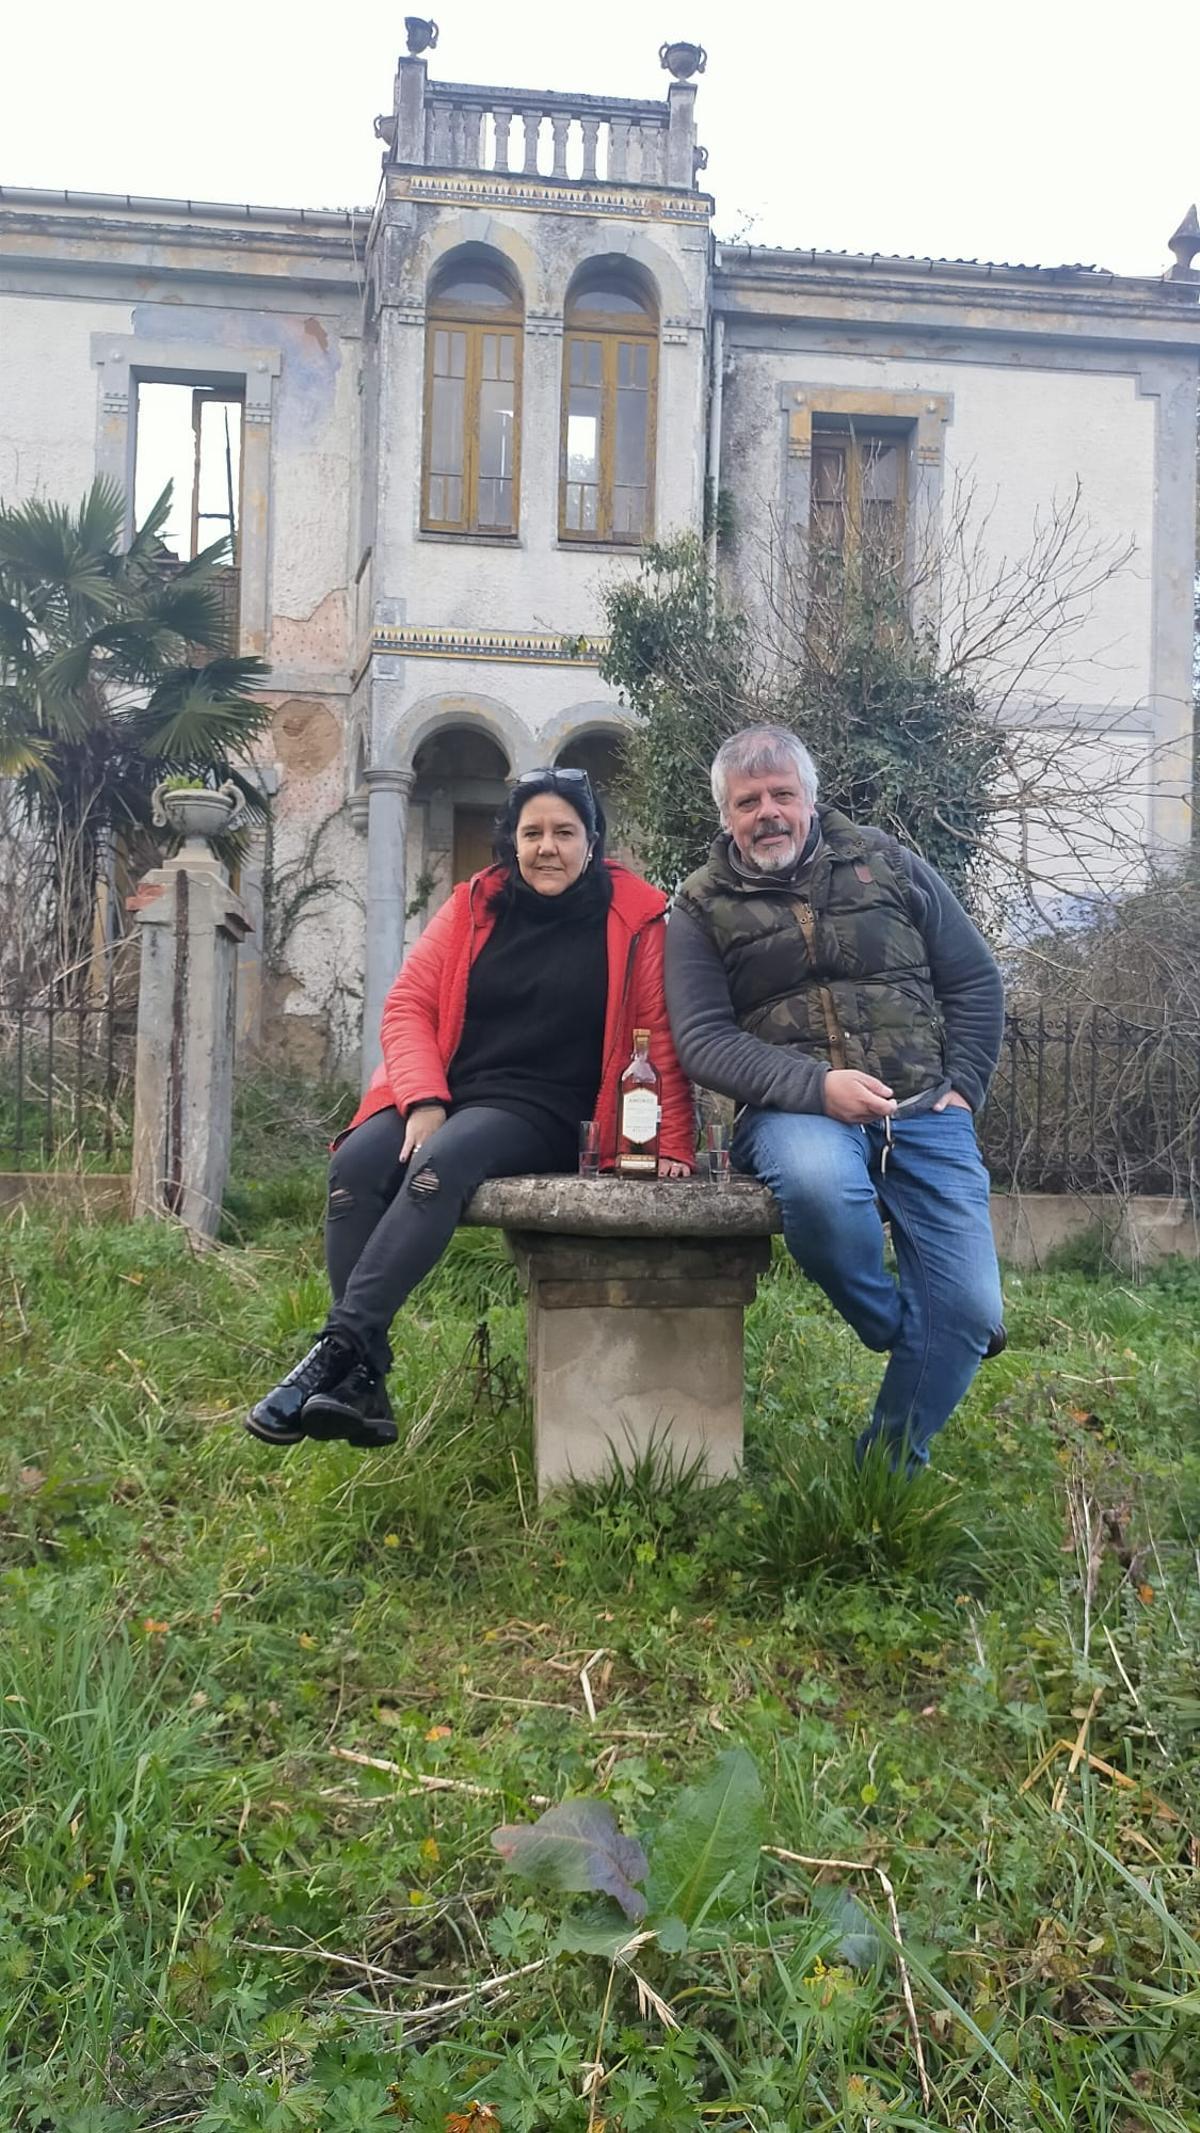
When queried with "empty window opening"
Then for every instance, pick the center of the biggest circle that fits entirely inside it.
(190, 436)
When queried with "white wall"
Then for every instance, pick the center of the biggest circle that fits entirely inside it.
(1018, 441)
(48, 393)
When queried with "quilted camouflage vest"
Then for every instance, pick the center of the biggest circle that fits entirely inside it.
(836, 965)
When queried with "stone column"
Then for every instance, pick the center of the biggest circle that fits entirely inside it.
(192, 924)
(681, 135)
(387, 837)
(408, 145)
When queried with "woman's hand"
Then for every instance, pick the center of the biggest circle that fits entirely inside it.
(674, 1170)
(419, 1125)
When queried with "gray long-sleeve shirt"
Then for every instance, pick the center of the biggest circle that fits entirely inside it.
(719, 1055)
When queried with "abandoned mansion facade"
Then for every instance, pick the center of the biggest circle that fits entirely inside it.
(440, 427)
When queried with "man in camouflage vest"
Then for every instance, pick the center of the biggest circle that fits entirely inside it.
(827, 980)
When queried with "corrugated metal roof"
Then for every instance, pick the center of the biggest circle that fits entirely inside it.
(816, 256)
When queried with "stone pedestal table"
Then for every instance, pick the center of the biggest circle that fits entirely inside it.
(636, 1296)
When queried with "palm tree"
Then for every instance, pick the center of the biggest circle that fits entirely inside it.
(115, 672)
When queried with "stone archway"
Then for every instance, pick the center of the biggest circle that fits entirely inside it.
(600, 751)
(460, 778)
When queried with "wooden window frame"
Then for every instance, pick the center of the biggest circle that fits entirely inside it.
(856, 435)
(613, 330)
(476, 323)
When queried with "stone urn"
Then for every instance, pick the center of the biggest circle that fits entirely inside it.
(422, 35)
(197, 815)
(683, 60)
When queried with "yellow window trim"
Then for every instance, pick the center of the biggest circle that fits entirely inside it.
(506, 320)
(856, 441)
(611, 337)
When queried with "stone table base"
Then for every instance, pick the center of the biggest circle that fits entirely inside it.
(636, 1301)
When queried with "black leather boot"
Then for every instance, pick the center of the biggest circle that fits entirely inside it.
(276, 1418)
(997, 1344)
(355, 1409)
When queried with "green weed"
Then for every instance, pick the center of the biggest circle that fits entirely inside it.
(260, 1714)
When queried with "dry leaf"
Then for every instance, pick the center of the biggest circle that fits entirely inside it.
(439, 1733)
(30, 1479)
(155, 1629)
(1145, 1594)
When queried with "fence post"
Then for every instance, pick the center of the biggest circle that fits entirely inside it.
(192, 924)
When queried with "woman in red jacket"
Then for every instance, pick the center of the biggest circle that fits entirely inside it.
(511, 1020)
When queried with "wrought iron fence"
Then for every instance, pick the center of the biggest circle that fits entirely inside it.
(66, 1078)
(1095, 1101)
(1081, 1102)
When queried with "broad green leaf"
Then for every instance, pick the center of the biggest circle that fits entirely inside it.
(705, 1856)
(574, 1846)
(595, 1933)
(672, 1935)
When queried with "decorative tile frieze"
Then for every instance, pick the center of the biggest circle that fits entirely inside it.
(497, 189)
(513, 647)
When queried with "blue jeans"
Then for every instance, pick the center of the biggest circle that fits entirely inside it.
(829, 1180)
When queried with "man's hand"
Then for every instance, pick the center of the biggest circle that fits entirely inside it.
(669, 1169)
(952, 1098)
(419, 1125)
(855, 1099)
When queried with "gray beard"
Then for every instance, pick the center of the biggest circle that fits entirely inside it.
(780, 862)
(796, 866)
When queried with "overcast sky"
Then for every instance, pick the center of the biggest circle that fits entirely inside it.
(1038, 131)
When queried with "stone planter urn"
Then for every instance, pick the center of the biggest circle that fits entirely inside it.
(422, 35)
(197, 816)
(683, 60)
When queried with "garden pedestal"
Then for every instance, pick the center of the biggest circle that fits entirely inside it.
(637, 1293)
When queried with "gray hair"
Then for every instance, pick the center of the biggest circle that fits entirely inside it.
(759, 748)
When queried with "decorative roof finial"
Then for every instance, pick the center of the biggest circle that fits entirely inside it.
(422, 35)
(1185, 244)
(683, 60)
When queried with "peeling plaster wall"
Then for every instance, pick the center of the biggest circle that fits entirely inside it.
(316, 985)
(49, 413)
(48, 393)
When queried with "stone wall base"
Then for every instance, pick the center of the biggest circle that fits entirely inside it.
(88, 1195)
(1139, 1232)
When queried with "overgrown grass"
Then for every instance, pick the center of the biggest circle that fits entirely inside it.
(210, 1917)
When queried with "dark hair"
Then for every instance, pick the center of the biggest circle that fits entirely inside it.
(577, 792)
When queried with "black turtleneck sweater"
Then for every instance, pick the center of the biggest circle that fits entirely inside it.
(534, 1030)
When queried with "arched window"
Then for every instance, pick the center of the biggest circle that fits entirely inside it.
(471, 462)
(610, 381)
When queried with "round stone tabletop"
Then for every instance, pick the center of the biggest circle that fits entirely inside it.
(625, 1207)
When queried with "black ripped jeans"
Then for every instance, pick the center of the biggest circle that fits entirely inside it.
(388, 1223)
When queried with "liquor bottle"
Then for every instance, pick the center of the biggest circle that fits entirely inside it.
(639, 1113)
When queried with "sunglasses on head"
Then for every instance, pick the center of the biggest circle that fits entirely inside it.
(578, 778)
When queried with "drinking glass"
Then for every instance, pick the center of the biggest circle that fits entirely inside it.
(715, 1155)
(589, 1148)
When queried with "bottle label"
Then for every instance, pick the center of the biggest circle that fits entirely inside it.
(639, 1115)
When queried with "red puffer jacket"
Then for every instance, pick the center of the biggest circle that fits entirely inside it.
(424, 1012)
